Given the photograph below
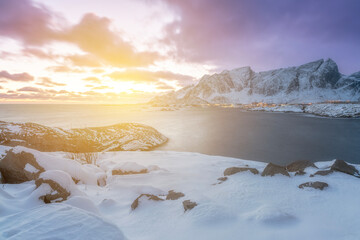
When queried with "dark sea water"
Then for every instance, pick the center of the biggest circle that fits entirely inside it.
(269, 137)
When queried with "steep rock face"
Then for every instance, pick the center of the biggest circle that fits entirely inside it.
(125, 136)
(311, 82)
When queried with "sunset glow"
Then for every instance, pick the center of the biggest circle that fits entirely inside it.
(130, 51)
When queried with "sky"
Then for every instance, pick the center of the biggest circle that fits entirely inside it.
(91, 51)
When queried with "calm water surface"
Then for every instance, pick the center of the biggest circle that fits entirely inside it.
(269, 137)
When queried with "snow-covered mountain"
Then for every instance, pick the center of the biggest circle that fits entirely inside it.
(124, 136)
(316, 81)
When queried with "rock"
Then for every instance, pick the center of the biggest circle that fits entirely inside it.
(233, 170)
(19, 167)
(60, 184)
(316, 185)
(188, 205)
(222, 179)
(135, 204)
(272, 169)
(322, 173)
(342, 166)
(101, 179)
(129, 168)
(174, 195)
(119, 137)
(300, 173)
(299, 165)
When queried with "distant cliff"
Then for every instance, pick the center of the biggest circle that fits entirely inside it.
(316, 81)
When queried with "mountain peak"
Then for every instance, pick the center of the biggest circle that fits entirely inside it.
(315, 81)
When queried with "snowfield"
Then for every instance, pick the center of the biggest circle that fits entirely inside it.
(245, 205)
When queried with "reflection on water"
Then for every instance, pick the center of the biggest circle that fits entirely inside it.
(275, 137)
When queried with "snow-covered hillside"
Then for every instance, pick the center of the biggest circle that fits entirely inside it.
(177, 195)
(316, 81)
(124, 136)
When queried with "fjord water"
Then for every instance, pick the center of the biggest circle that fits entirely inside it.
(268, 137)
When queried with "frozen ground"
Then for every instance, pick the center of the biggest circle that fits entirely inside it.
(245, 206)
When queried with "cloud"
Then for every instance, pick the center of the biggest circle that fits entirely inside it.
(92, 79)
(20, 77)
(84, 60)
(64, 69)
(264, 33)
(29, 89)
(35, 25)
(145, 76)
(101, 87)
(47, 82)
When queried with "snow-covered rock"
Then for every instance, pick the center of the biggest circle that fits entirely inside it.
(334, 110)
(245, 205)
(316, 81)
(119, 137)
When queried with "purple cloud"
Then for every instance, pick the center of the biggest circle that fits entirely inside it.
(20, 77)
(264, 33)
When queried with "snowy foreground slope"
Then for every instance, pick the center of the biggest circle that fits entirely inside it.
(316, 81)
(127, 194)
(124, 136)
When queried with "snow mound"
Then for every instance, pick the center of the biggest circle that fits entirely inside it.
(51, 162)
(270, 215)
(57, 221)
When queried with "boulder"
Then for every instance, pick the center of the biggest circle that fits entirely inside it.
(188, 205)
(322, 173)
(54, 186)
(19, 167)
(135, 204)
(273, 169)
(299, 165)
(342, 166)
(316, 185)
(233, 170)
(172, 195)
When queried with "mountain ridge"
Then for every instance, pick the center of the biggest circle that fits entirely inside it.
(315, 81)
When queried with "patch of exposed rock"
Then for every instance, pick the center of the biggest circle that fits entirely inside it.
(322, 173)
(119, 137)
(342, 166)
(19, 167)
(273, 169)
(299, 165)
(188, 205)
(233, 170)
(316, 185)
(152, 197)
(172, 195)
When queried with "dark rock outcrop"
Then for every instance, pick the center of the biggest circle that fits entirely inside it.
(322, 173)
(119, 137)
(342, 166)
(233, 170)
(188, 205)
(273, 169)
(299, 165)
(152, 197)
(316, 185)
(172, 195)
(19, 167)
